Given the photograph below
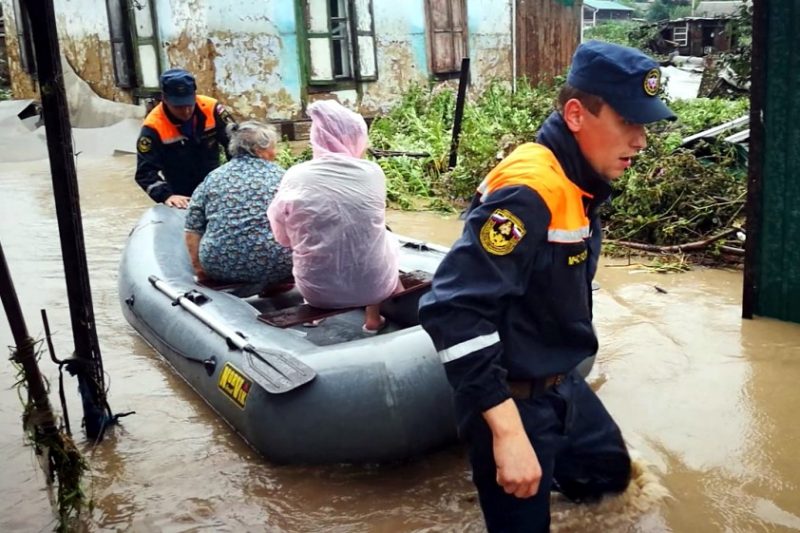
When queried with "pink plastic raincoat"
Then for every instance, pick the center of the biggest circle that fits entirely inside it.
(331, 212)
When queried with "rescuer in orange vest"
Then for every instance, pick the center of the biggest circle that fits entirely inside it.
(182, 139)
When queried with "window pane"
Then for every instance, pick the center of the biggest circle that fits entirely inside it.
(366, 57)
(115, 20)
(143, 19)
(121, 66)
(337, 9)
(320, 57)
(363, 16)
(149, 64)
(457, 14)
(459, 50)
(317, 16)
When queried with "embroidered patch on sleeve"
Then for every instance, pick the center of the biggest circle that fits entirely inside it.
(501, 232)
(144, 145)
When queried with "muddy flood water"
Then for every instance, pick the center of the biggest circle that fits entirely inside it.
(707, 401)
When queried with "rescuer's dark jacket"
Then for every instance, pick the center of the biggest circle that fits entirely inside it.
(174, 158)
(512, 299)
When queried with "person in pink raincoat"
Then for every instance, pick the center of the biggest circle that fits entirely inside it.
(331, 211)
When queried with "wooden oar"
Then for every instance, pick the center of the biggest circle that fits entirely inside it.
(273, 370)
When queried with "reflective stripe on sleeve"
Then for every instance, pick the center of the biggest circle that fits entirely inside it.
(154, 185)
(467, 347)
(565, 235)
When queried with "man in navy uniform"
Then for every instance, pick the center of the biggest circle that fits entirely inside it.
(510, 309)
(181, 140)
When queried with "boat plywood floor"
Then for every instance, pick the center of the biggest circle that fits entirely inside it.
(342, 327)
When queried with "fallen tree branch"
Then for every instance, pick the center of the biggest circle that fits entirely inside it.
(731, 250)
(677, 248)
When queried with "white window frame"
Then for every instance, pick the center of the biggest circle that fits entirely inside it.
(683, 39)
(351, 33)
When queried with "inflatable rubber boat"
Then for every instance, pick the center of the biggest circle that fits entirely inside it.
(297, 394)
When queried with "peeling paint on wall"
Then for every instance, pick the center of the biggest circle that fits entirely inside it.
(397, 71)
(249, 57)
(490, 46)
(90, 57)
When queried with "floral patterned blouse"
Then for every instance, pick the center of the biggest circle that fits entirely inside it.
(229, 208)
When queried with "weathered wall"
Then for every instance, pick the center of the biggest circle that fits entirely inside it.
(83, 33)
(246, 57)
(548, 32)
(401, 54)
(84, 41)
(489, 40)
(249, 57)
(400, 30)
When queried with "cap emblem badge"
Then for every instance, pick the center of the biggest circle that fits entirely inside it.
(652, 82)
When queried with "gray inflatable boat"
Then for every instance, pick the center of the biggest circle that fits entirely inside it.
(297, 394)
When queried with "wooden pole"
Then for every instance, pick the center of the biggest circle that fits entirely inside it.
(57, 454)
(25, 355)
(463, 81)
(70, 226)
(755, 171)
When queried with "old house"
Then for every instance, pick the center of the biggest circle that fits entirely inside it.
(269, 59)
(697, 36)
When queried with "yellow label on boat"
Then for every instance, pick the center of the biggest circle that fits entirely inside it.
(234, 384)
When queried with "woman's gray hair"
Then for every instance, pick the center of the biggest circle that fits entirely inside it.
(250, 136)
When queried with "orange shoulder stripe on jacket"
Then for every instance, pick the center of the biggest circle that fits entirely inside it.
(535, 166)
(167, 131)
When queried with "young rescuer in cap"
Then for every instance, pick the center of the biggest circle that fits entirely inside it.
(510, 309)
(180, 140)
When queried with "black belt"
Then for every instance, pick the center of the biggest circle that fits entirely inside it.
(523, 389)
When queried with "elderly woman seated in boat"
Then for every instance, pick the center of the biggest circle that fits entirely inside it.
(331, 211)
(227, 235)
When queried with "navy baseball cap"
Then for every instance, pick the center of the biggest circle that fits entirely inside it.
(628, 80)
(178, 87)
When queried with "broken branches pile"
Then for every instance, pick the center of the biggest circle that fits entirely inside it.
(669, 197)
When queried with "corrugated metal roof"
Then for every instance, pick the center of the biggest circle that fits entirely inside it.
(717, 8)
(607, 5)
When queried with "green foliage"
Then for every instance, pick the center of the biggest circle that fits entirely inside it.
(65, 465)
(669, 196)
(702, 113)
(286, 157)
(739, 57)
(676, 197)
(668, 9)
(422, 122)
(618, 32)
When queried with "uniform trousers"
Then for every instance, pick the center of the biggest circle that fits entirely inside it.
(578, 445)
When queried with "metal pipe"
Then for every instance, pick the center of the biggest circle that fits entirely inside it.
(514, 45)
(463, 81)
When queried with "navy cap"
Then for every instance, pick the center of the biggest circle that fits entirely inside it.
(178, 87)
(628, 80)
